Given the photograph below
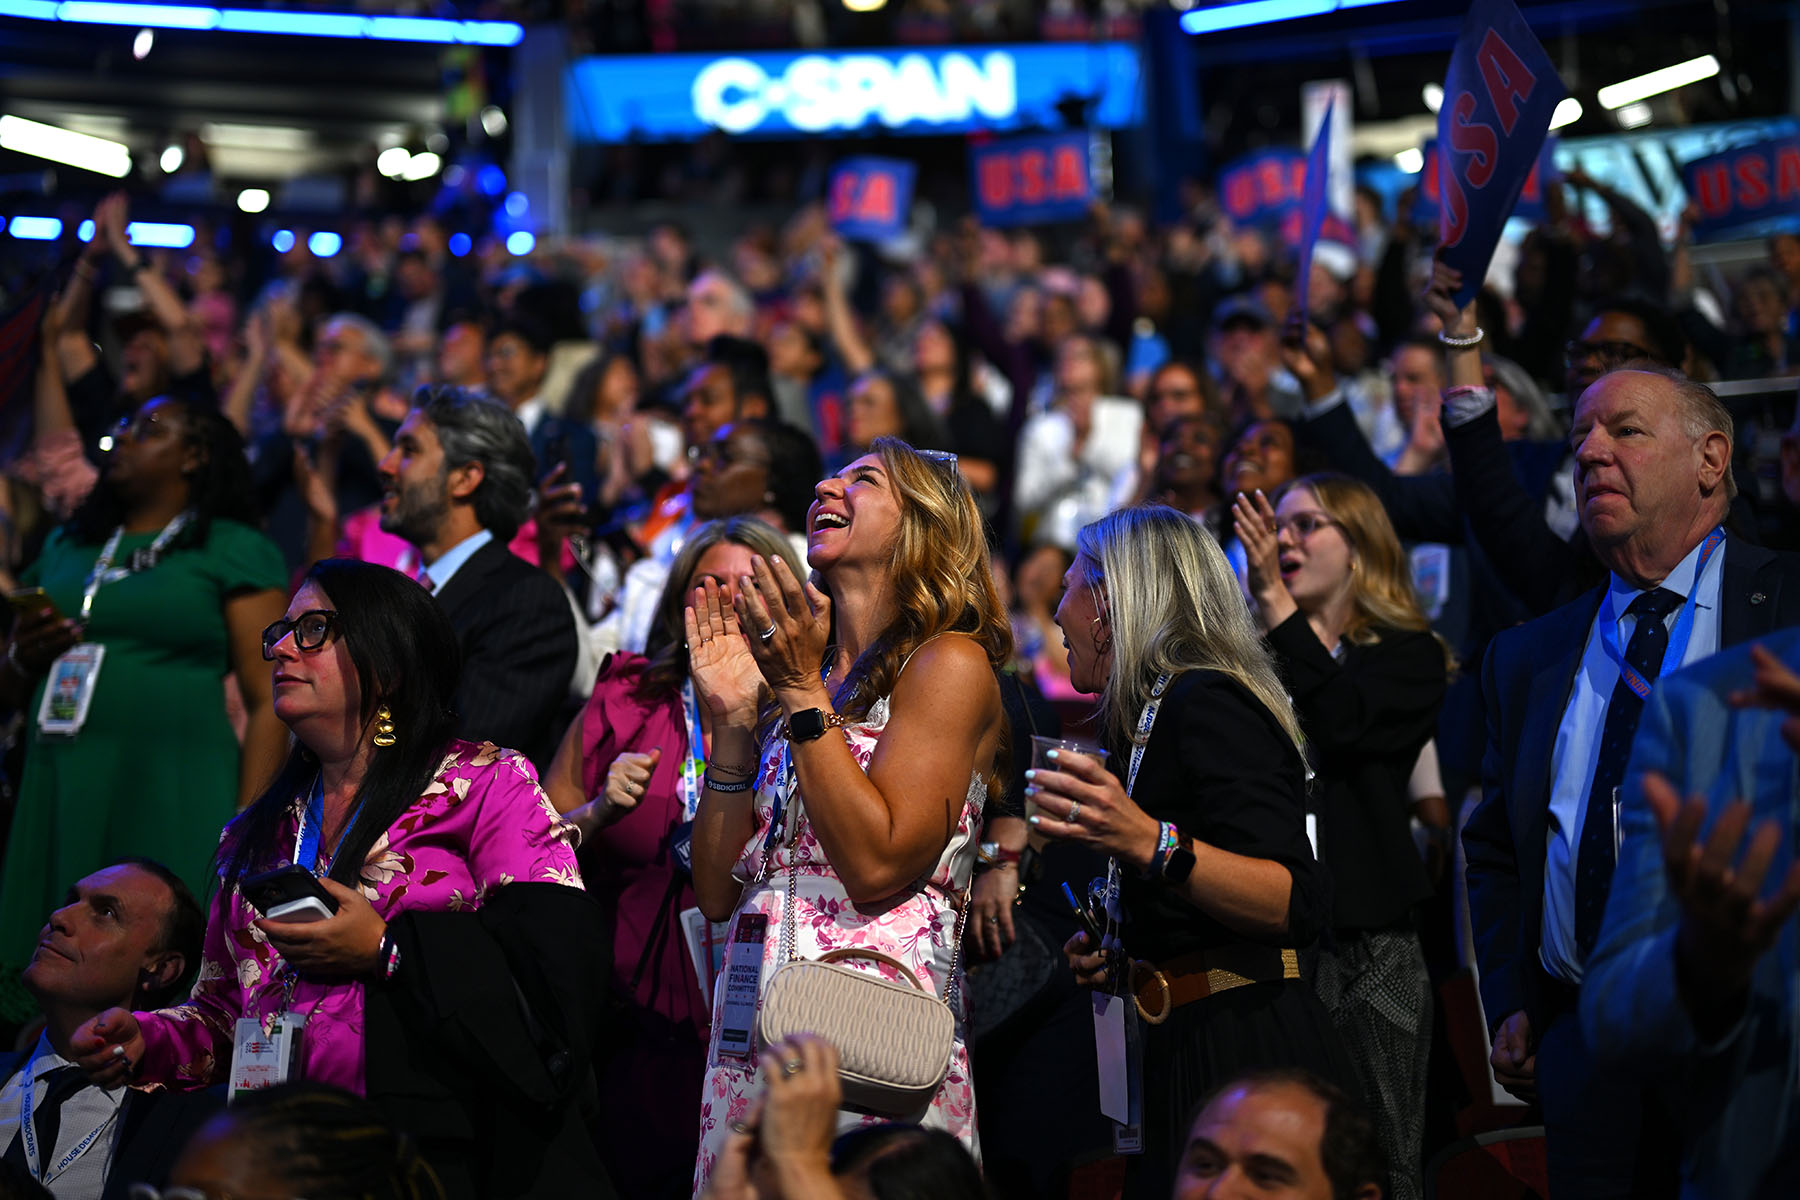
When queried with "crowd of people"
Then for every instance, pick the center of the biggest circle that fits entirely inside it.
(458, 692)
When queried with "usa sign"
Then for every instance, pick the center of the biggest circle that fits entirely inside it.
(869, 199)
(1746, 186)
(1263, 186)
(1032, 181)
(1499, 96)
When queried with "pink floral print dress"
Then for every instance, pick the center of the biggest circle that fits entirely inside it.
(917, 926)
(480, 824)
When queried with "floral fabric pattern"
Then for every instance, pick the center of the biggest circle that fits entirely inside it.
(481, 823)
(917, 927)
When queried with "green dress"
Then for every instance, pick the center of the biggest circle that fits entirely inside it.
(154, 770)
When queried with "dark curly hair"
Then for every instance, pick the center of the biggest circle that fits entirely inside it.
(219, 486)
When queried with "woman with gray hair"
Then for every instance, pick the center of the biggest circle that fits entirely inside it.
(1212, 890)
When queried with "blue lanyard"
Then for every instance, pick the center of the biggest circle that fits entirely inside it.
(1678, 637)
(28, 1131)
(695, 763)
(312, 826)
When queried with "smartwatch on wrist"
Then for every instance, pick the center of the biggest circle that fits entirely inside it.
(1178, 863)
(810, 724)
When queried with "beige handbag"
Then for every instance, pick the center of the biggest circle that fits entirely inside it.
(893, 1041)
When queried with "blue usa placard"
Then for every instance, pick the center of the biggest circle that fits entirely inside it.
(1499, 96)
(1751, 185)
(1032, 181)
(870, 199)
(1264, 186)
(1314, 201)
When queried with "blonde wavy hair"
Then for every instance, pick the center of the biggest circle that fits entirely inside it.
(1171, 603)
(942, 580)
(1381, 590)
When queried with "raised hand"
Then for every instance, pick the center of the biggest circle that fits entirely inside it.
(726, 677)
(1445, 279)
(109, 1047)
(1773, 686)
(1253, 519)
(789, 622)
(627, 778)
(1726, 922)
(1306, 353)
(1082, 801)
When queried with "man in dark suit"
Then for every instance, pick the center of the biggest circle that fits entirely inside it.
(518, 358)
(1563, 695)
(128, 937)
(457, 485)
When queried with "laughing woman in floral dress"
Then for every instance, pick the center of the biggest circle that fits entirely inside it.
(861, 795)
(456, 895)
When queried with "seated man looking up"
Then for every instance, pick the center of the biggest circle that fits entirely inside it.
(1280, 1133)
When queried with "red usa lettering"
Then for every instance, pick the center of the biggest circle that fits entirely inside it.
(1509, 81)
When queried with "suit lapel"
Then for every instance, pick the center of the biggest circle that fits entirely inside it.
(470, 578)
(1749, 593)
(1547, 697)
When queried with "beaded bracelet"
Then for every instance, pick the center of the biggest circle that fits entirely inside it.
(389, 956)
(741, 786)
(1461, 343)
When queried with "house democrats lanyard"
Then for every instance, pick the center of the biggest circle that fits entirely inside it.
(69, 688)
(312, 827)
(28, 1131)
(1678, 636)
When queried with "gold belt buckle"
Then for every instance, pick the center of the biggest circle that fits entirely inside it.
(1168, 1003)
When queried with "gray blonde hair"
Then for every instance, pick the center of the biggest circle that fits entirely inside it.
(1172, 604)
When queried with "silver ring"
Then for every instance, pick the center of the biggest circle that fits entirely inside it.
(1074, 811)
(993, 920)
(791, 1068)
(768, 633)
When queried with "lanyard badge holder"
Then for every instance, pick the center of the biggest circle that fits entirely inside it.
(1118, 1032)
(34, 1153)
(744, 953)
(69, 690)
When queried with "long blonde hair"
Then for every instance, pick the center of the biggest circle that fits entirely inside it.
(1172, 604)
(1381, 589)
(941, 576)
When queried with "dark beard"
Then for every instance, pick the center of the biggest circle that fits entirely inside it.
(418, 513)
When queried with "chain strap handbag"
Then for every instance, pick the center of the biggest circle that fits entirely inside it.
(894, 1041)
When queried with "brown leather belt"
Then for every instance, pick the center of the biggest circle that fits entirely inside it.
(1160, 990)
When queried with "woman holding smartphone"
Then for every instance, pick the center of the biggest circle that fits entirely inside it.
(455, 892)
(1216, 883)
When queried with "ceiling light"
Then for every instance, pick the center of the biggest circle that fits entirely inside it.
(325, 244)
(460, 244)
(1434, 96)
(158, 233)
(1635, 116)
(393, 161)
(522, 242)
(85, 230)
(283, 241)
(437, 143)
(36, 229)
(493, 121)
(1411, 161)
(253, 200)
(517, 204)
(172, 158)
(1630, 91)
(864, 6)
(256, 137)
(65, 146)
(141, 44)
(422, 166)
(1567, 113)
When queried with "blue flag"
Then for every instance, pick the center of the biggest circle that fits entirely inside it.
(1314, 202)
(870, 199)
(1032, 181)
(1499, 96)
(1748, 191)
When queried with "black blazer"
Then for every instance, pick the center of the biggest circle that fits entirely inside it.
(1526, 682)
(1220, 766)
(482, 1045)
(156, 1126)
(518, 640)
(1366, 716)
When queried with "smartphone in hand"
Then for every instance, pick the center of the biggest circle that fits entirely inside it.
(289, 893)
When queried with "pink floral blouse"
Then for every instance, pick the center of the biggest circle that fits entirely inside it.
(481, 823)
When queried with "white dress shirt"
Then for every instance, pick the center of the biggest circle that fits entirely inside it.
(1578, 742)
(447, 564)
(90, 1115)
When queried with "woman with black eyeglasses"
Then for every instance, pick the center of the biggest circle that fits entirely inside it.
(154, 590)
(457, 979)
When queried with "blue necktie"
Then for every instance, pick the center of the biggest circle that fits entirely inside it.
(1595, 855)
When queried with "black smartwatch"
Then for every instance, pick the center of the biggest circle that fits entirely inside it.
(810, 724)
(1180, 862)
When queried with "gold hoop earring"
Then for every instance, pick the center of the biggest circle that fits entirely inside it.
(384, 727)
